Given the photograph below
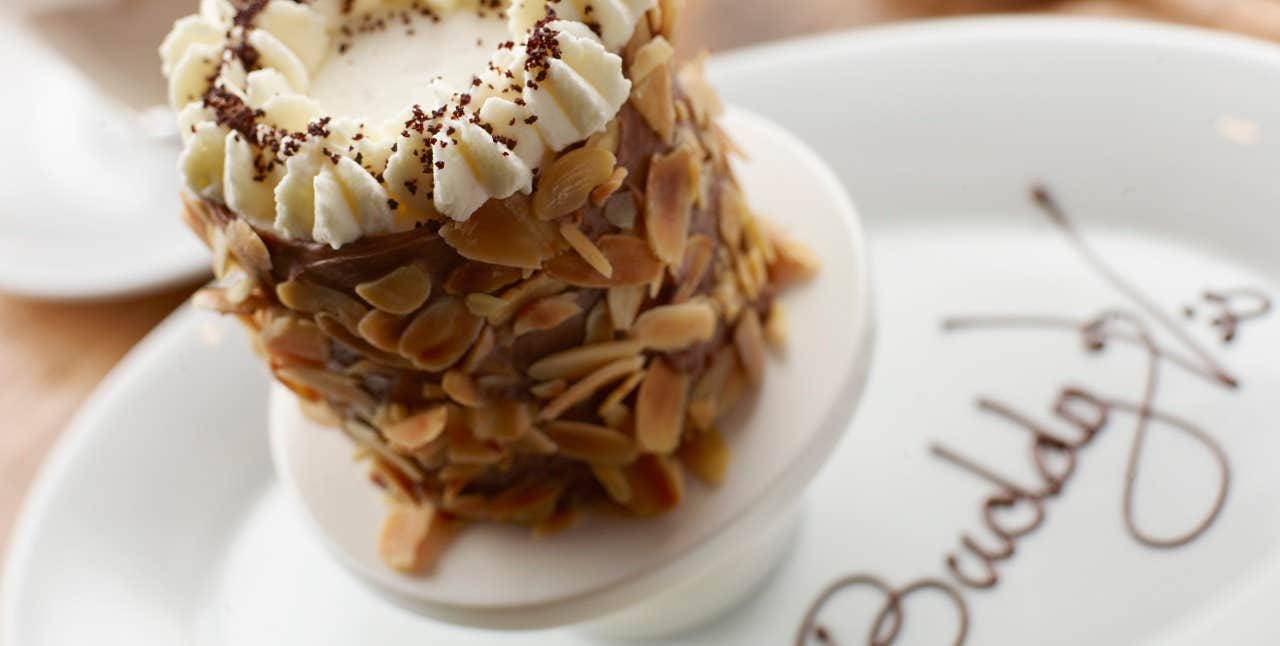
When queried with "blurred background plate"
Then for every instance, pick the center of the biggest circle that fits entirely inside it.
(88, 201)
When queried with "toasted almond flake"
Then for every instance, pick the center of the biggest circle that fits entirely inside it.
(414, 537)
(464, 449)
(399, 486)
(549, 389)
(462, 388)
(675, 327)
(527, 504)
(339, 333)
(583, 360)
(546, 314)
(624, 304)
(655, 285)
(620, 393)
(418, 430)
(727, 295)
(485, 305)
(748, 338)
(614, 481)
(706, 456)
(735, 389)
(697, 260)
(320, 412)
(516, 298)
(704, 401)
(456, 477)
(630, 258)
(618, 418)
(660, 408)
(221, 253)
(599, 326)
(433, 392)
(746, 277)
(562, 520)
(591, 443)
(369, 439)
(534, 442)
(775, 328)
(703, 98)
(670, 193)
(382, 330)
(330, 385)
(756, 264)
(504, 420)
(503, 232)
(652, 54)
(290, 336)
(586, 248)
(217, 299)
(589, 385)
(657, 485)
(314, 299)
(654, 98)
(402, 291)
(621, 210)
(480, 351)
(758, 238)
(795, 262)
(440, 335)
(602, 193)
(733, 208)
(566, 183)
(480, 278)
(243, 242)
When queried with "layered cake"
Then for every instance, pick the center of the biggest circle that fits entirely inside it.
(498, 244)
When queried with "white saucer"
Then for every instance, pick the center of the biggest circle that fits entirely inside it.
(89, 205)
(157, 521)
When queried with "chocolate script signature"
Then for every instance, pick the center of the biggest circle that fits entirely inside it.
(1054, 454)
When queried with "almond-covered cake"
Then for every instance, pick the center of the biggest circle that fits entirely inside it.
(498, 244)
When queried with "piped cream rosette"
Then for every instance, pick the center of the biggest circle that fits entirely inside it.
(258, 142)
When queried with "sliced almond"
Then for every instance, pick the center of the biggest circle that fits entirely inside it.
(602, 193)
(624, 305)
(620, 393)
(527, 504)
(561, 520)
(479, 278)
(503, 232)
(599, 328)
(669, 195)
(675, 327)
(706, 455)
(464, 449)
(589, 385)
(660, 408)
(775, 328)
(631, 259)
(440, 335)
(546, 314)
(583, 360)
(402, 291)
(569, 180)
(608, 138)
(618, 418)
(290, 336)
(704, 401)
(504, 420)
(534, 442)
(538, 286)
(486, 305)
(614, 481)
(591, 443)
(549, 389)
(649, 57)
(382, 330)
(748, 338)
(419, 430)
(340, 333)
(314, 299)
(795, 262)
(461, 388)
(654, 98)
(702, 97)
(586, 248)
(480, 351)
(335, 387)
(657, 485)
(697, 260)
(735, 389)
(414, 537)
(245, 244)
(733, 209)
(385, 475)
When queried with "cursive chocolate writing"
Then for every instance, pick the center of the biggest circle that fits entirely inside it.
(1081, 414)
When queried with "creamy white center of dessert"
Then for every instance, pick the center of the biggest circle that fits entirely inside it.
(378, 71)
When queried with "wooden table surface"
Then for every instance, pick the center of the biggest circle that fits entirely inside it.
(52, 355)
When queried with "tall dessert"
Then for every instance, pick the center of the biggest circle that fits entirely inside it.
(497, 243)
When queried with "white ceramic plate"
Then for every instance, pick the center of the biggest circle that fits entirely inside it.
(88, 206)
(157, 522)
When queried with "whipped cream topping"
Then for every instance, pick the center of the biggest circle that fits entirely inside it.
(331, 120)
